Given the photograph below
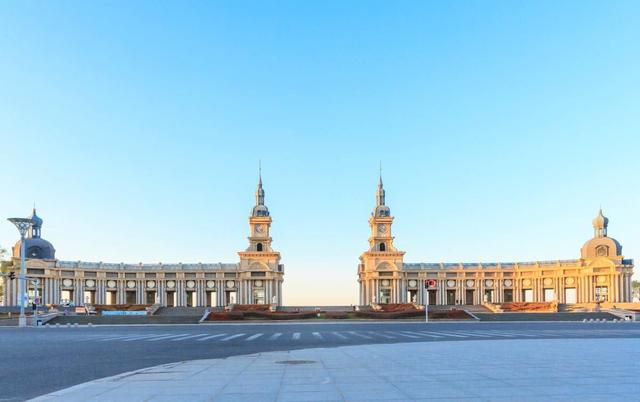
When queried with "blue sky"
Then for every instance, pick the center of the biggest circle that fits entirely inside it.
(501, 126)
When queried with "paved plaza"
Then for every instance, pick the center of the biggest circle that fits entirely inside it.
(490, 370)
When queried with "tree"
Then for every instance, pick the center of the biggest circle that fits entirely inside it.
(4, 264)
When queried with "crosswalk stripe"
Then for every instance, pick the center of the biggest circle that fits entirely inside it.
(210, 337)
(339, 335)
(474, 333)
(381, 334)
(403, 333)
(187, 337)
(275, 336)
(317, 335)
(228, 338)
(113, 338)
(442, 334)
(137, 338)
(512, 333)
(252, 337)
(360, 335)
(295, 336)
(164, 337)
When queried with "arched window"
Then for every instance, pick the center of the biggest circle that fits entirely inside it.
(259, 247)
(383, 247)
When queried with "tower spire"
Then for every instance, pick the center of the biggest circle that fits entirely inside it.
(380, 192)
(259, 190)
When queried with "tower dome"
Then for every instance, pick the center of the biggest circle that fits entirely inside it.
(35, 246)
(601, 245)
(600, 222)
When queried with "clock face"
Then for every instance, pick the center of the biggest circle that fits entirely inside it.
(382, 228)
(259, 228)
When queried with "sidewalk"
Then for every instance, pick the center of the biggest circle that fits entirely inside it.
(496, 370)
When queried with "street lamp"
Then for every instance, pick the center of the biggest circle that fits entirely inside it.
(23, 225)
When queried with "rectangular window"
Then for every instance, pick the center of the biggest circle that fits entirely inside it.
(90, 274)
(229, 274)
(258, 274)
(67, 274)
(150, 275)
(130, 275)
(170, 275)
(190, 275)
(112, 275)
(35, 271)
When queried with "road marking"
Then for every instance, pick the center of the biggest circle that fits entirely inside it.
(113, 338)
(252, 337)
(137, 338)
(317, 335)
(511, 333)
(275, 336)
(474, 333)
(210, 337)
(228, 338)
(164, 337)
(339, 335)
(187, 337)
(403, 333)
(441, 334)
(415, 333)
(295, 336)
(381, 334)
(360, 335)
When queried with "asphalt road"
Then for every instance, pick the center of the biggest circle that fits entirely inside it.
(37, 361)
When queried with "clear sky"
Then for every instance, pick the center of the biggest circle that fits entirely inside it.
(137, 127)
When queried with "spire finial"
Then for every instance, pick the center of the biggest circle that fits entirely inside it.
(380, 174)
(260, 171)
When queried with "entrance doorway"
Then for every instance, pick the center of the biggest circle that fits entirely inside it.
(258, 296)
(570, 295)
(488, 295)
(507, 296)
(385, 296)
(212, 299)
(602, 293)
(527, 295)
(66, 296)
(433, 297)
(451, 297)
(468, 296)
(412, 296)
(230, 297)
(89, 297)
(111, 297)
(171, 299)
(131, 297)
(150, 297)
(549, 294)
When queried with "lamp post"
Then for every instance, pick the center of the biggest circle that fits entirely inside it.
(23, 225)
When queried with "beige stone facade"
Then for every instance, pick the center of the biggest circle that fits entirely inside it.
(256, 279)
(600, 274)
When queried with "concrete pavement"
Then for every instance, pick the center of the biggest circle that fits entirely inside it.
(492, 370)
(38, 361)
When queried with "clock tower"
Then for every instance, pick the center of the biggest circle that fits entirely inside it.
(259, 263)
(380, 266)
